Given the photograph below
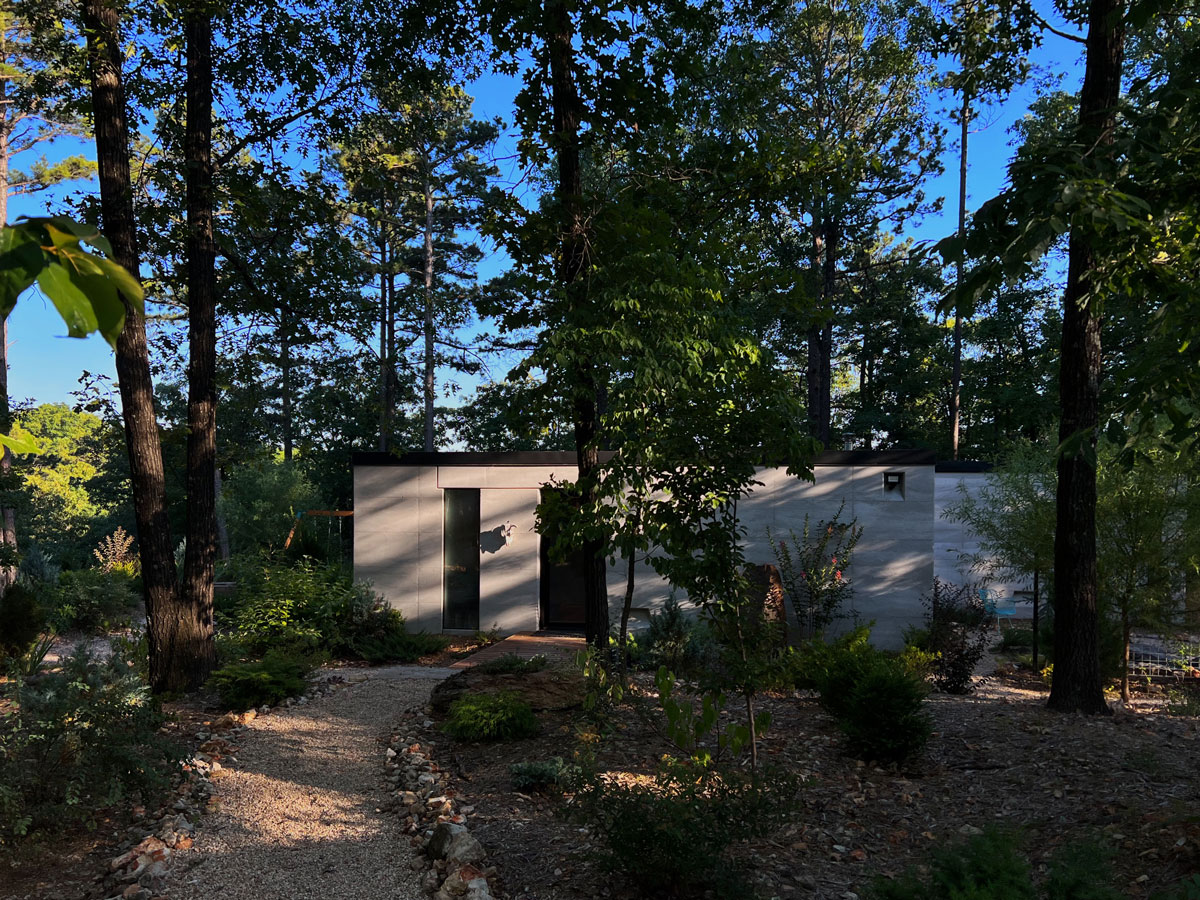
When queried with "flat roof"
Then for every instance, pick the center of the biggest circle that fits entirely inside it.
(568, 458)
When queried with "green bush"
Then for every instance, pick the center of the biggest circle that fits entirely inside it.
(676, 641)
(543, 775)
(511, 664)
(491, 717)
(1015, 639)
(671, 836)
(277, 676)
(882, 715)
(91, 601)
(310, 605)
(396, 645)
(814, 662)
(78, 740)
(957, 623)
(990, 866)
(21, 621)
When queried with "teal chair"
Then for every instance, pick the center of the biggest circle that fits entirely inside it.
(997, 609)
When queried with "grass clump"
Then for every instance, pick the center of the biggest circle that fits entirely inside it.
(278, 675)
(511, 664)
(491, 717)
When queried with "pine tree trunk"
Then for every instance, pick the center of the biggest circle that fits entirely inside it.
(385, 312)
(567, 118)
(164, 610)
(195, 652)
(8, 519)
(956, 371)
(1077, 684)
(285, 381)
(428, 259)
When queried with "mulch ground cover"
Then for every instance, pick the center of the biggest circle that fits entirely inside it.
(1130, 781)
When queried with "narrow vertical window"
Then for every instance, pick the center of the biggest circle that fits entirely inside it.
(460, 554)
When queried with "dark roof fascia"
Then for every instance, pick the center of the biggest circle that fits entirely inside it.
(568, 458)
(962, 466)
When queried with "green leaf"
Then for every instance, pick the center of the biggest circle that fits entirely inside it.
(22, 444)
(71, 302)
(20, 261)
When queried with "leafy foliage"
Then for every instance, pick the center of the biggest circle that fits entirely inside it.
(90, 600)
(990, 866)
(278, 675)
(21, 621)
(79, 739)
(512, 664)
(503, 716)
(813, 568)
(671, 835)
(544, 775)
(956, 625)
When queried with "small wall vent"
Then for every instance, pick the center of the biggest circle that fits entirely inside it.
(893, 485)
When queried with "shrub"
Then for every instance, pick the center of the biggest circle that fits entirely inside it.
(811, 567)
(511, 664)
(79, 740)
(1015, 639)
(671, 836)
(37, 566)
(674, 640)
(21, 621)
(881, 715)
(957, 624)
(543, 775)
(491, 717)
(91, 601)
(990, 866)
(398, 646)
(275, 677)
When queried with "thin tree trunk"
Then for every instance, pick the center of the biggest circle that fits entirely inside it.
(956, 372)
(1036, 623)
(196, 654)
(385, 423)
(8, 519)
(164, 611)
(285, 381)
(1077, 685)
(428, 258)
(820, 336)
(567, 119)
(222, 529)
(1125, 632)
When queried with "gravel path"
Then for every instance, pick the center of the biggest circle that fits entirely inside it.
(299, 812)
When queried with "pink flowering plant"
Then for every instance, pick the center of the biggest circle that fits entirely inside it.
(814, 568)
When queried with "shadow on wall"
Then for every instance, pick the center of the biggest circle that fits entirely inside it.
(500, 536)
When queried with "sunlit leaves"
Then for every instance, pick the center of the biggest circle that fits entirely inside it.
(90, 292)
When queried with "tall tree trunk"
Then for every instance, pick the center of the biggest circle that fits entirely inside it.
(8, 519)
(956, 370)
(428, 258)
(196, 656)
(285, 381)
(1036, 617)
(1077, 685)
(820, 336)
(385, 315)
(164, 609)
(568, 111)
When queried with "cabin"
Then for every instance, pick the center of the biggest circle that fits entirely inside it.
(449, 538)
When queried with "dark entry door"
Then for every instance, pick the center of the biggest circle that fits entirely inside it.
(561, 589)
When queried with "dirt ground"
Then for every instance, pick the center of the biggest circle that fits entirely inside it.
(1130, 781)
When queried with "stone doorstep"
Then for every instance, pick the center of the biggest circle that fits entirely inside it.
(526, 645)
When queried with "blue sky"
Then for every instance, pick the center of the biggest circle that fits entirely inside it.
(45, 366)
